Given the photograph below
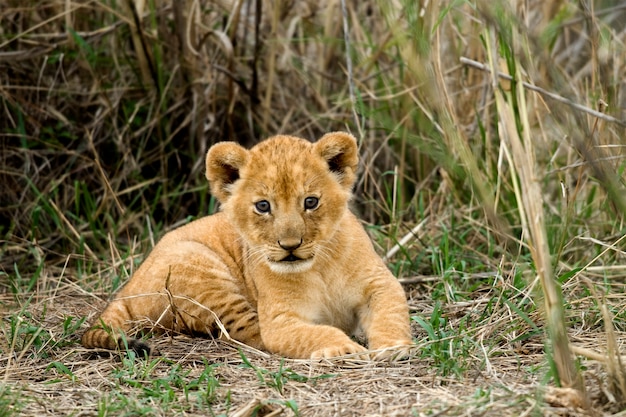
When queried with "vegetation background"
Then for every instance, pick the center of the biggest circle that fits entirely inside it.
(493, 155)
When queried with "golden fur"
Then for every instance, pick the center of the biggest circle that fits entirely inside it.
(285, 266)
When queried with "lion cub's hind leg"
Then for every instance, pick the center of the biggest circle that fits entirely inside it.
(221, 304)
(186, 285)
(206, 293)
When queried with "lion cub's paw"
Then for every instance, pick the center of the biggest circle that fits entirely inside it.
(393, 352)
(347, 348)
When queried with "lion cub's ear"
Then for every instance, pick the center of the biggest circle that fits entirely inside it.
(339, 149)
(223, 163)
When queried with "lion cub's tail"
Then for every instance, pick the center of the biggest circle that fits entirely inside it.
(99, 337)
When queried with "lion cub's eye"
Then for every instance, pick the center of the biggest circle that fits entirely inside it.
(311, 202)
(262, 206)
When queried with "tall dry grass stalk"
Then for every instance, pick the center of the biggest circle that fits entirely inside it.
(520, 150)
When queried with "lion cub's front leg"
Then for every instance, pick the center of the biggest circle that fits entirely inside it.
(301, 319)
(291, 335)
(384, 316)
(290, 326)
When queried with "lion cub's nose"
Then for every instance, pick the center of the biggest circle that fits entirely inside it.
(290, 244)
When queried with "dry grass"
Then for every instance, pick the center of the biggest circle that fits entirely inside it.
(503, 377)
(503, 181)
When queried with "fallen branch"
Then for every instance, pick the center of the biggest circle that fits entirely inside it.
(546, 93)
(408, 237)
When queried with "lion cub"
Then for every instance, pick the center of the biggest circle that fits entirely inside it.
(285, 266)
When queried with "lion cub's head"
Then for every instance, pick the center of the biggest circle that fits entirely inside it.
(286, 195)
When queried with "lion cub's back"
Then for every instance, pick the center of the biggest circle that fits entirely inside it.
(206, 243)
(213, 231)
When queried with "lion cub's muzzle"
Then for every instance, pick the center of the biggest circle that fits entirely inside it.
(290, 245)
(294, 258)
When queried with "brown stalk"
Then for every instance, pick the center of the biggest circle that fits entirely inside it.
(144, 61)
(530, 202)
(272, 51)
